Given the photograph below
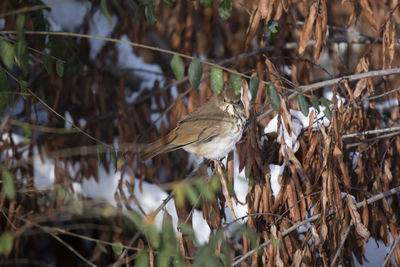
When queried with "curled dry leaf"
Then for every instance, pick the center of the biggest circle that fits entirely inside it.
(355, 216)
(307, 28)
(254, 21)
(245, 98)
(225, 190)
(368, 14)
(263, 6)
(361, 85)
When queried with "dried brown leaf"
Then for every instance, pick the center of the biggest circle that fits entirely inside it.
(318, 38)
(337, 153)
(299, 169)
(355, 216)
(245, 98)
(324, 15)
(307, 28)
(263, 6)
(369, 14)
(254, 21)
(349, 91)
(297, 258)
(225, 190)
(360, 86)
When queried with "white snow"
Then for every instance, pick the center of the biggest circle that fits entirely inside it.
(67, 16)
(100, 26)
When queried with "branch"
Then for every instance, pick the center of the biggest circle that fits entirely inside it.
(317, 85)
(316, 217)
(372, 139)
(385, 130)
(341, 244)
(389, 255)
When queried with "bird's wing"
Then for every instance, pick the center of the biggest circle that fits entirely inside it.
(198, 128)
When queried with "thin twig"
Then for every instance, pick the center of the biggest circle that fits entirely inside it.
(316, 217)
(373, 139)
(385, 130)
(389, 255)
(72, 250)
(122, 256)
(381, 95)
(342, 243)
(41, 128)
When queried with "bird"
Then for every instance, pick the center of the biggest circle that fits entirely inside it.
(210, 131)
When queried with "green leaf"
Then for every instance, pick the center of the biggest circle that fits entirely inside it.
(206, 3)
(303, 104)
(5, 90)
(61, 192)
(327, 111)
(59, 68)
(114, 158)
(20, 23)
(150, 14)
(254, 82)
(22, 56)
(163, 258)
(4, 85)
(179, 192)
(204, 189)
(178, 67)
(137, 219)
(214, 184)
(7, 54)
(236, 82)
(168, 233)
(104, 10)
(188, 231)
(27, 131)
(117, 248)
(9, 185)
(192, 195)
(315, 103)
(216, 80)
(142, 259)
(122, 156)
(153, 236)
(274, 96)
(271, 30)
(6, 243)
(169, 3)
(47, 62)
(24, 88)
(225, 9)
(101, 247)
(100, 151)
(195, 72)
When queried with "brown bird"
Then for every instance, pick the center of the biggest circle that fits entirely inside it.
(211, 131)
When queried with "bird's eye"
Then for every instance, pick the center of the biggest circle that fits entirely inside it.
(238, 102)
(224, 100)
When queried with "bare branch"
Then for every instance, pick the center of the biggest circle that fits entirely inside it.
(317, 85)
(389, 255)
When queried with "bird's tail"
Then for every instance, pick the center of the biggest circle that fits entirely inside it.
(162, 145)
